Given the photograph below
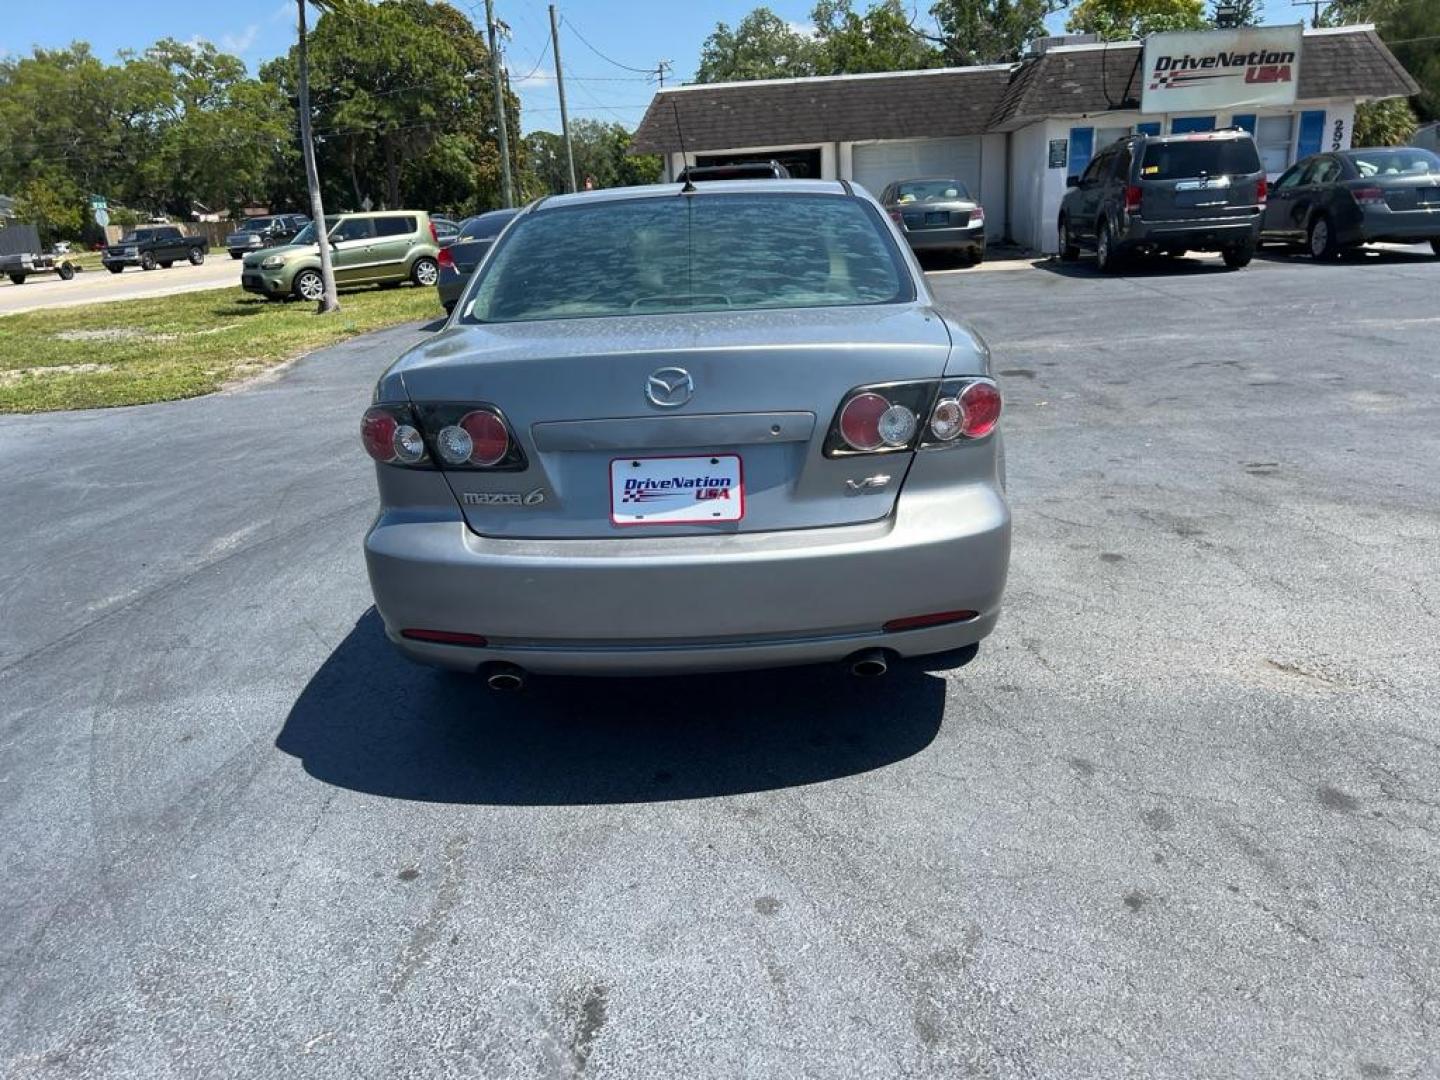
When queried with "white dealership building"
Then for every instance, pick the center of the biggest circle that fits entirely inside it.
(1013, 132)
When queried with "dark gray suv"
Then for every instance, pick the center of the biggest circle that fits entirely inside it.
(1172, 194)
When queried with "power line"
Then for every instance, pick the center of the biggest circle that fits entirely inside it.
(526, 78)
(597, 52)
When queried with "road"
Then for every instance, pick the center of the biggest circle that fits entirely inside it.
(101, 286)
(1177, 819)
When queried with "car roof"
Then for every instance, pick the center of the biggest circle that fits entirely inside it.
(712, 187)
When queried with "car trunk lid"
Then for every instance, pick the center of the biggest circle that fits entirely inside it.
(766, 386)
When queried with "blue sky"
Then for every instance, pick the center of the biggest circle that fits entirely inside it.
(633, 33)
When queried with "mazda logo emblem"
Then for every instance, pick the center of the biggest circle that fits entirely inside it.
(669, 388)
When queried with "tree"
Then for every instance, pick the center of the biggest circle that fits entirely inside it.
(882, 39)
(761, 46)
(989, 31)
(1383, 123)
(1240, 13)
(53, 202)
(1413, 29)
(602, 152)
(1126, 20)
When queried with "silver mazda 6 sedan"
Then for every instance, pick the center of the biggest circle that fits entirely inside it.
(692, 429)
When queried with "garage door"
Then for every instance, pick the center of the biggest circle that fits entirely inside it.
(876, 164)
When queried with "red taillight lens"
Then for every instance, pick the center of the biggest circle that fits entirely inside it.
(490, 441)
(390, 436)
(445, 258)
(977, 216)
(897, 217)
(1262, 190)
(980, 405)
(434, 236)
(444, 637)
(1369, 196)
(938, 618)
(1134, 195)
(860, 421)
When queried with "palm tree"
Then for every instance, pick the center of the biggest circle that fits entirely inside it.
(329, 299)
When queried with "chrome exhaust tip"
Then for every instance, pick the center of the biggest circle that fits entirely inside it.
(869, 664)
(505, 678)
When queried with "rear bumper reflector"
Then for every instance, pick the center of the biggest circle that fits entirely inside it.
(938, 618)
(445, 637)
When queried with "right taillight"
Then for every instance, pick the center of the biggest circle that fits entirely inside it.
(1134, 196)
(882, 419)
(445, 259)
(1262, 190)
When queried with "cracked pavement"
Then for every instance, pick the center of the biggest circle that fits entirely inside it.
(1178, 818)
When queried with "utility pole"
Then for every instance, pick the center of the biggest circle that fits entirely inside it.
(507, 188)
(560, 86)
(329, 299)
(660, 70)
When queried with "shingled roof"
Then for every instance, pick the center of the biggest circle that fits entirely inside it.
(1070, 81)
(837, 108)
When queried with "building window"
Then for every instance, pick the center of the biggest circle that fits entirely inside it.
(1105, 136)
(1151, 127)
(1180, 125)
(1082, 149)
(1312, 132)
(1273, 136)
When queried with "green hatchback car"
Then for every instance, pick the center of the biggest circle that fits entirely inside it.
(380, 248)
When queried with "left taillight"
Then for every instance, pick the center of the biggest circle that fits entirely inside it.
(391, 436)
(447, 435)
(1369, 196)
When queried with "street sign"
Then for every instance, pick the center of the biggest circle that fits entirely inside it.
(102, 216)
(99, 202)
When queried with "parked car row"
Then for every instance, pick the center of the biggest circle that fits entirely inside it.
(1147, 194)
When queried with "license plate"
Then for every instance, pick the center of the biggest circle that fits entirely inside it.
(676, 490)
(937, 217)
(1428, 195)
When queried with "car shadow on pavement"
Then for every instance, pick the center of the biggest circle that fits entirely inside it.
(371, 721)
(1153, 266)
(1279, 253)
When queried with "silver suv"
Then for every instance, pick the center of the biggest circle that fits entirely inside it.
(1146, 193)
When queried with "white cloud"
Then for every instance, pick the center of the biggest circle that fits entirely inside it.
(804, 29)
(241, 42)
(539, 79)
(287, 10)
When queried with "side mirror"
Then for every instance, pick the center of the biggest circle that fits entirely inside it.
(1072, 181)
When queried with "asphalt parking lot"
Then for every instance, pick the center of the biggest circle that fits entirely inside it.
(1177, 818)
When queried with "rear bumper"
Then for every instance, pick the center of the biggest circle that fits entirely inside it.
(963, 239)
(1394, 227)
(450, 285)
(695, 603)
(1201, 234)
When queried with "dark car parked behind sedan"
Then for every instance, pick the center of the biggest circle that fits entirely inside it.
(459, 258)
(741, 170)
(1338, 201)
(264, 232)
(1150, 193)
(937, 215)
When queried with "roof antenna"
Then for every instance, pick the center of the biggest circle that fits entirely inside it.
(689, 187)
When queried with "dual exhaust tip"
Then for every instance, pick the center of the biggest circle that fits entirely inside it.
(511, 678)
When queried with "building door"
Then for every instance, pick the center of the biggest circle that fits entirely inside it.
(874, 165)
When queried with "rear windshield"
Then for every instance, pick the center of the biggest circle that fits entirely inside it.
(691, 253)
(257, 224)
(486, 226)
(1408, 161)
(930, 191)
(1200, 157)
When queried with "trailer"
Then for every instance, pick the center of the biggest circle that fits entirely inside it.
(21, 257)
